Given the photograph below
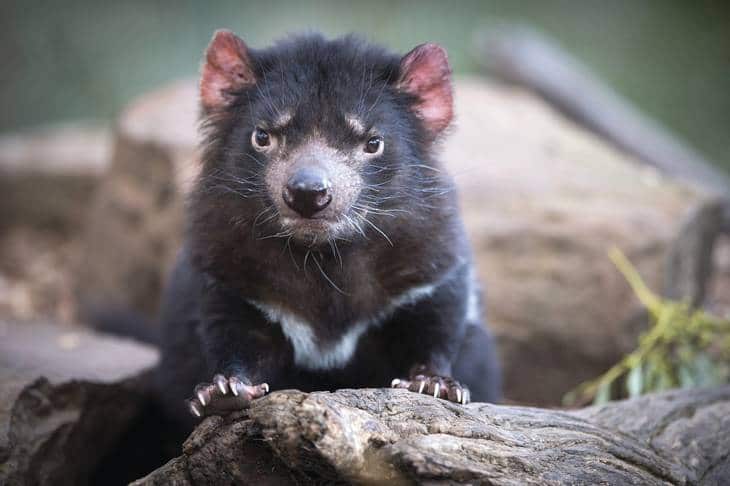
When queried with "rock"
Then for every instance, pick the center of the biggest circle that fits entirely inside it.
(543, 201)
(66, 396)
(47, 175)
(398, 437)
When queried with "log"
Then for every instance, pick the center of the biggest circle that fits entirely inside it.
(543, 202)
(526, 57)
(48, 174)
(690, 263)
(134, 227)
(66, 396)
(47, 179)
(523, 56)
(719, 285)
(383, 436)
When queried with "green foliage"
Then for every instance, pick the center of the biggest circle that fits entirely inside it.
(683, 347)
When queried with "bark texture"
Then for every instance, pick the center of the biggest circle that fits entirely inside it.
(66, 396)
(380, 436)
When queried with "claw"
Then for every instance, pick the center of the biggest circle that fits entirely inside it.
(201, 398)
(222, 384)
(440, 386)
(195, 411)
(265, 386)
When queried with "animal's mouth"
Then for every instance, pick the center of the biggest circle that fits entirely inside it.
(312, 230)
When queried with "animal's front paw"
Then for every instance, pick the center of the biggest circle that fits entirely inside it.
(437, 386)
(224, 395)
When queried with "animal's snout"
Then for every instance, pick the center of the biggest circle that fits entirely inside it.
(308, 191)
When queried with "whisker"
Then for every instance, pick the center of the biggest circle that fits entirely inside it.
(375, 227)
(321, 270)
(335, 251)
(355, 225)
(287, 246)
(306, 257)
(281, 234)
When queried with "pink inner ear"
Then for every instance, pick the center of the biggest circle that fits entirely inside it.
(425, 73)
(226, 69)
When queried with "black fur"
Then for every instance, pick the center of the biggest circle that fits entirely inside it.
(235, 252)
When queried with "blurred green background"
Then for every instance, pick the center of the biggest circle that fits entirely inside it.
(87, 58)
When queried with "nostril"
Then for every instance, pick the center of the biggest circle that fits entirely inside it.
(288, 196)
(307, 193)
(323, 198)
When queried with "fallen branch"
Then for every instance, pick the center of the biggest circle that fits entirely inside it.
(523, 56)
(379, 436)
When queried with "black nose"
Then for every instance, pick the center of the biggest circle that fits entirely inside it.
(308, 192)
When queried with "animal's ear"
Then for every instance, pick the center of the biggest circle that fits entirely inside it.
(227, 69)
(426, 74)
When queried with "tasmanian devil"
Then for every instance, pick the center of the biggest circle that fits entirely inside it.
(324, 247)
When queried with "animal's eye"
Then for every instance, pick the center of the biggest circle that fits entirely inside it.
(260, 138)
(374, 145)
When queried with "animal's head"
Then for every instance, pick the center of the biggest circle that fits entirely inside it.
(314, 140)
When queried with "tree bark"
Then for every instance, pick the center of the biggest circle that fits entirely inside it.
(378, 436)
(66, 396)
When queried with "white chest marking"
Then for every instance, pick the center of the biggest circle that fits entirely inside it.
(312, 355)
(473, 307)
